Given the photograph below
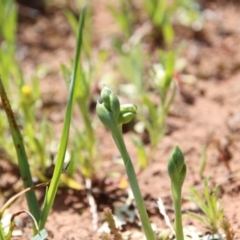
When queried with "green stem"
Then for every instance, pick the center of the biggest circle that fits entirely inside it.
(176, 192)
(118, 138)
(1, 232)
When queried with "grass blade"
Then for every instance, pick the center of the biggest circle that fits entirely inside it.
(21, 155)
(65, 133)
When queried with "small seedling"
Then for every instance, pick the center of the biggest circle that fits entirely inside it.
(177, 171)
(162, 79)
(152, 114)
(123, 16)
(208, 203)
(160, 14)
(40, 217)
(113, 116)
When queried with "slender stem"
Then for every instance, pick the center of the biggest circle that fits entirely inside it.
(113, 116)
(1, 232)
(176, 192)
(118, 138)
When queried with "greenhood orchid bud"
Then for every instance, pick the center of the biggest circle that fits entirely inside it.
(111, 113)
(127, 113)
(108, 111)
(177, 167)
(110, 101)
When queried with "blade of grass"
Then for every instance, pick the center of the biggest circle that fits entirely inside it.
(21, 155)
(65, 133)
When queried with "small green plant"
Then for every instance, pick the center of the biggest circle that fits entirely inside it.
(150, 81)
(39, 216)
(177, 172)
(35, 143)
(123, 16)
(8, 26)
(113, 116)
(153, 114)
(160, 13)
(131, 67)
(162, 79)
(207, 201)
(166, 14)
(9, 68)
(25, 96)
(158, 77)
(163, 16)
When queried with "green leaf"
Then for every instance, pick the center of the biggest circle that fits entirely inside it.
(65, 133)
(21, 154)
(209, 205)
(72, 20)
(177, 167)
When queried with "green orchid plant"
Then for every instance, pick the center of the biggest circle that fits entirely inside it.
(177, 172)
(113, 116)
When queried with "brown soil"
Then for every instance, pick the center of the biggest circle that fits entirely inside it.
(207, 112)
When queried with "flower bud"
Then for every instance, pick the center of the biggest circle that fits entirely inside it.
(111, 113)
(108, 111)
(106, 116)
(127, 113)
(176, 166)
(111, 102)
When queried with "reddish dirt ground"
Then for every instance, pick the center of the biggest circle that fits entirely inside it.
(212, 117)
